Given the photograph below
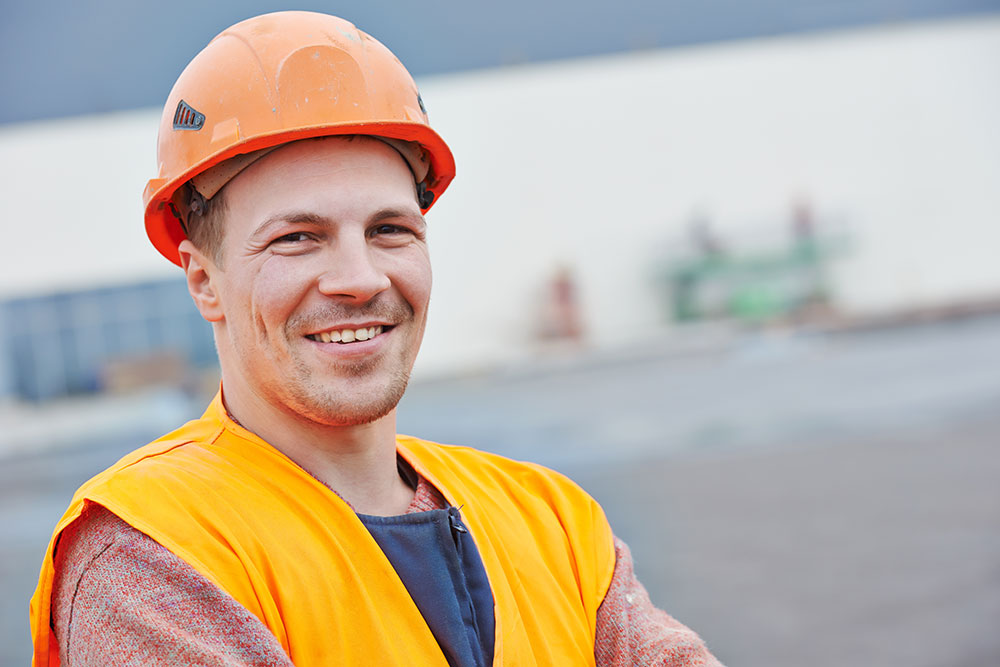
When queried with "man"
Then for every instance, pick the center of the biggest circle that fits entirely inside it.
(291, 524)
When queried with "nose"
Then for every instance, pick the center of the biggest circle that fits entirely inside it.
(352, 271)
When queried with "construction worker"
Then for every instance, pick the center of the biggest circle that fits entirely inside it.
(290, 524)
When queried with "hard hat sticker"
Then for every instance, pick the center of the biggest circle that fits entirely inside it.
(186, 118)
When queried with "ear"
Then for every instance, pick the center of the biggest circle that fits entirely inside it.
(198, 268)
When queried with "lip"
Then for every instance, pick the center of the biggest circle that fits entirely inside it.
(351, 325)
(359, 348)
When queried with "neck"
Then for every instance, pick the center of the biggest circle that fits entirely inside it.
(358, 462)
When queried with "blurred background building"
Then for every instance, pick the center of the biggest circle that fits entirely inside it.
(723, 192)
(848, 169)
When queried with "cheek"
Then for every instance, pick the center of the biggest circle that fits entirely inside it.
(417, 277)
(417, 286)
(277, 289)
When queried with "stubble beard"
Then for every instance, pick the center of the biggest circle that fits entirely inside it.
(323, 405)
(315, 399)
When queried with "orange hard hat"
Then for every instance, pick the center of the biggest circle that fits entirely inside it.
(282, 77)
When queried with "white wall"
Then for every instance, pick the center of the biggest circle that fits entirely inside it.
(71, 202)
(596, 163)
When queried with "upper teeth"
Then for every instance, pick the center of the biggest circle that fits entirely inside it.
(347, 335)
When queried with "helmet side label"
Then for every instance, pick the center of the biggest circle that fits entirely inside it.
(187, 117)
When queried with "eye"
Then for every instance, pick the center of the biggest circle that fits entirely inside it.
(293, 237)
(387, 229)
(292, 243)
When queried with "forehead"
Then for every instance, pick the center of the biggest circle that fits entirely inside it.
(353, 168)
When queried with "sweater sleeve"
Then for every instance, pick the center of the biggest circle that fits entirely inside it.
(120, 599)
(631, 631)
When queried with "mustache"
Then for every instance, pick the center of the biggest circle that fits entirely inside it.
(388, 310)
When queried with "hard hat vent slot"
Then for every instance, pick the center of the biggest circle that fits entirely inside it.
(187, 118)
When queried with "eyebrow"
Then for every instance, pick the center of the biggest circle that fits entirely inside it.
(293, 216)
(391, 212)
(316, 219)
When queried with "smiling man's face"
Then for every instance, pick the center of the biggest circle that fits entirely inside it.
(325, 278)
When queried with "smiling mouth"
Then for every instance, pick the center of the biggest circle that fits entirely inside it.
(344, 336)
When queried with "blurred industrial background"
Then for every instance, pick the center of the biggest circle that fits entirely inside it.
(732, 266)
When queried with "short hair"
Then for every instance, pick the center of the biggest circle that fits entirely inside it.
(204, 220)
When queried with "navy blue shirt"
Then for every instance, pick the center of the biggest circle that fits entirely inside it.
(438, 562)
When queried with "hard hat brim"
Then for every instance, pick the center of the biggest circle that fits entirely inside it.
(164, 228)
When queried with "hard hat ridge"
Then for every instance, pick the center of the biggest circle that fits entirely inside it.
(277, 78)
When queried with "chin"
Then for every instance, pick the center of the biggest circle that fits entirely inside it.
(354, 416)
(369, 404)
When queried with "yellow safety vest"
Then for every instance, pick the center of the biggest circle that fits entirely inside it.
(292, 552)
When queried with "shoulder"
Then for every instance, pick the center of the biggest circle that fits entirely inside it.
(94, 532)
(165, 478)
(487, 468)
(104, 551)
(525, 497)
(116, 588)
(530, 522)
(188, 456)
(184, 443)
